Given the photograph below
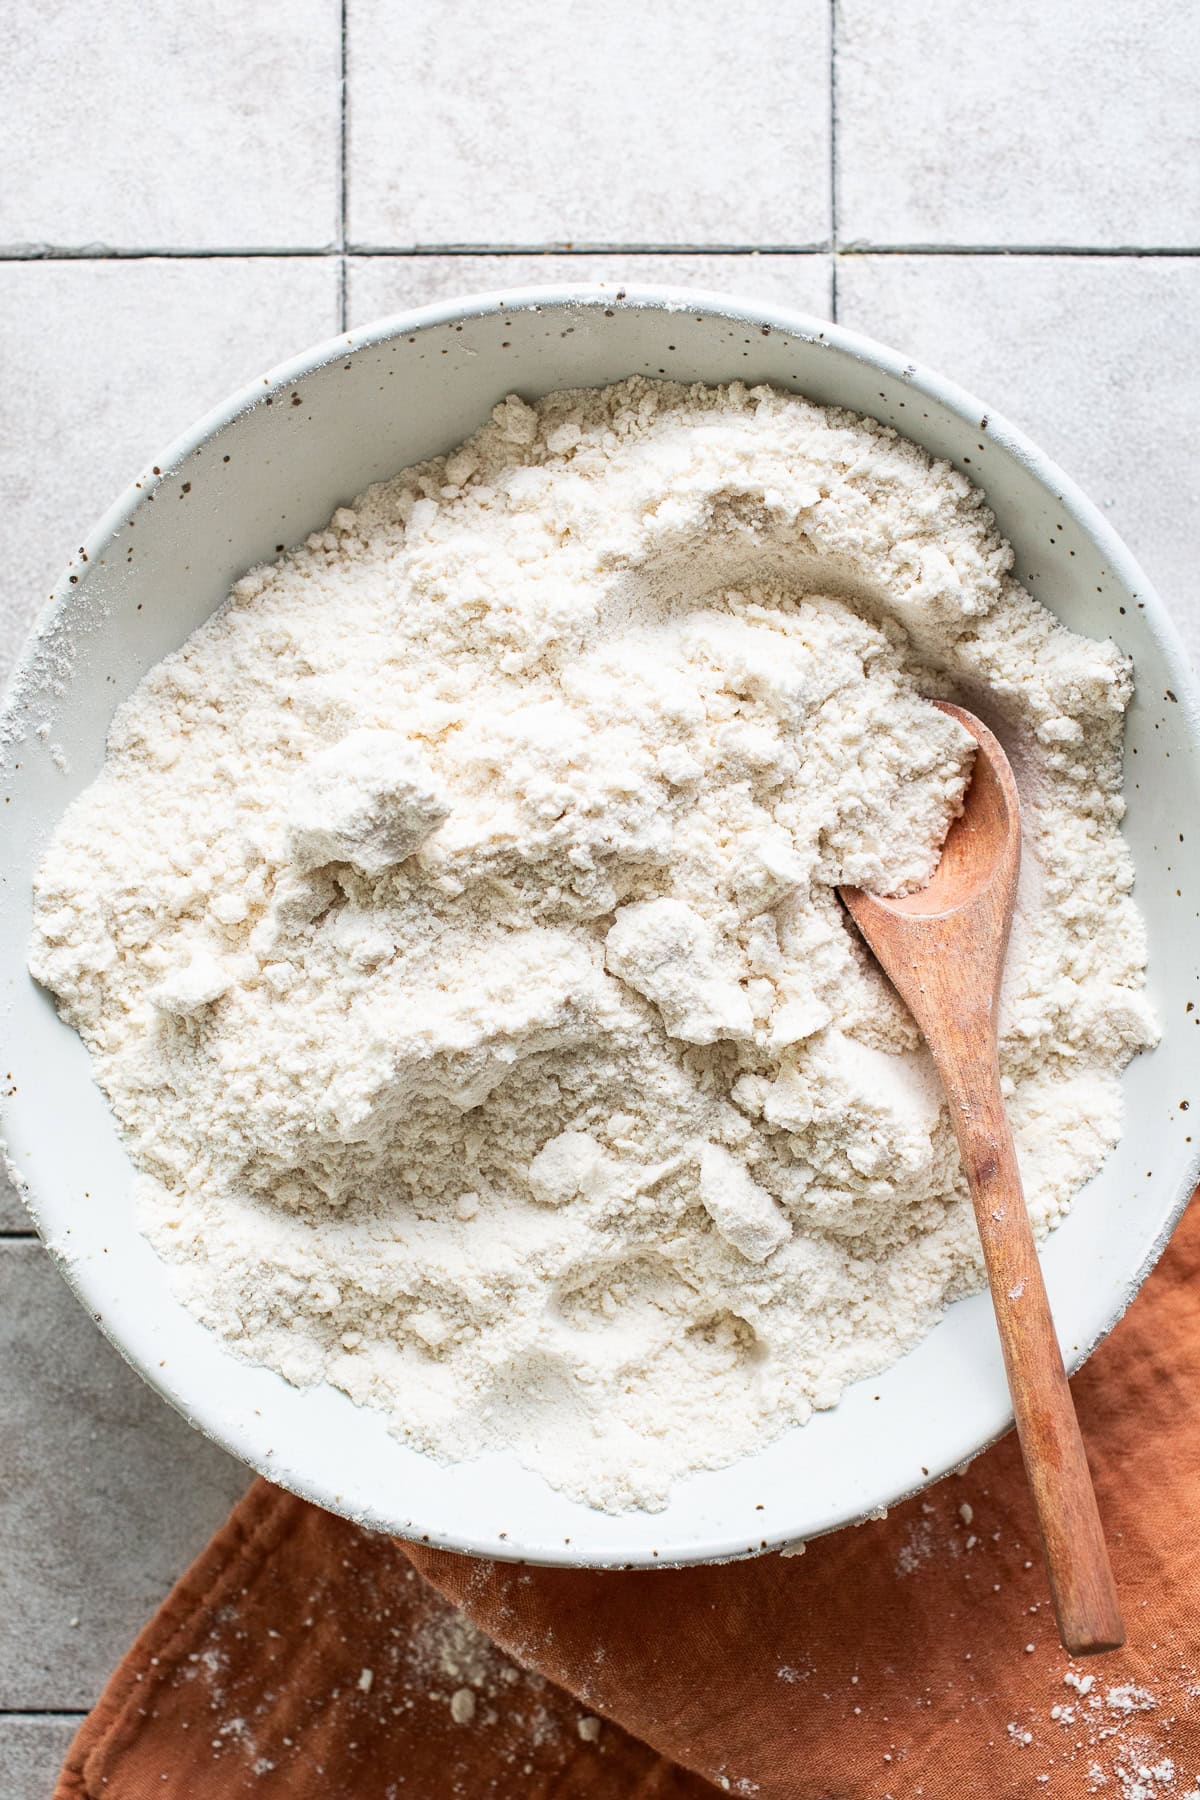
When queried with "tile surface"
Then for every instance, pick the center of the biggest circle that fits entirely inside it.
(1086, 354)
(104, 363)
(105, 1493)
(1041, 122)
(146, 126)
(378, 285)
(32, 1748)
(619, 124)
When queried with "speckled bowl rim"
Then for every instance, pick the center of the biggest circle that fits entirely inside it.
(84, 1279)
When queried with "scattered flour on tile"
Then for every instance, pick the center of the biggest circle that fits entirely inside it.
(454, 929)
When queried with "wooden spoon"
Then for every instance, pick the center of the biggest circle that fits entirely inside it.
(943, 950)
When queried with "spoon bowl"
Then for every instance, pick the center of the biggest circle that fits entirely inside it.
(980, 841)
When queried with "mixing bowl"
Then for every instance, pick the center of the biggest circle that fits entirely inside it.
(270, 466)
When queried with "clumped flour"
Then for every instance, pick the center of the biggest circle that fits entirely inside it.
(453, 927)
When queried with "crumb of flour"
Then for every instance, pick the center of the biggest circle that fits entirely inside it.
(454, 929)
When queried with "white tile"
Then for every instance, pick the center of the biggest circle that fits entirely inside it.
(545, 124)
(104, 363)
(378, 285)
(31, 1753)
(135, 126)
(1093, 356)
(1040, 122)
(108, 1495)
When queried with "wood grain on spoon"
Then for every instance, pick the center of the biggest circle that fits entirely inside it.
(943, 950)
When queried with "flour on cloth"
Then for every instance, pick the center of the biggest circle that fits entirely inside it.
(453, 927)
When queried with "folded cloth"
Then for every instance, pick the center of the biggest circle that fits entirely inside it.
(912, 1658)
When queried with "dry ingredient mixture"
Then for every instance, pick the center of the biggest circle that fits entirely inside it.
(453, 927)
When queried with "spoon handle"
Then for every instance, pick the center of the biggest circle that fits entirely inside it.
(1081, 1578)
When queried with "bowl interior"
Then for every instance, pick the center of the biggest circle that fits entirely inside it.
(271, 466)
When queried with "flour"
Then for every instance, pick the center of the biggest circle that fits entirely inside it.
(453, 927)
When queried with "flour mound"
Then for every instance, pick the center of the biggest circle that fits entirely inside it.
(453, 926)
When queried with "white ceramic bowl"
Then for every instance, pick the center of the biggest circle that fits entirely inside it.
(268, 467)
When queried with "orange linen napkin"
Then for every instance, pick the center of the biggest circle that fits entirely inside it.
(913, 1658)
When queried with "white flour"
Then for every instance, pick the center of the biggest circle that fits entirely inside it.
(453, 928)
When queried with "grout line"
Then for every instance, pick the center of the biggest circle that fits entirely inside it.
(342, 170)
(41, 1712)
(833, 178)
(566, 248)
(118, 253)
(12, 253)
(341, 167)
(833, 195)
(1125, 252)
(1116, 252)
